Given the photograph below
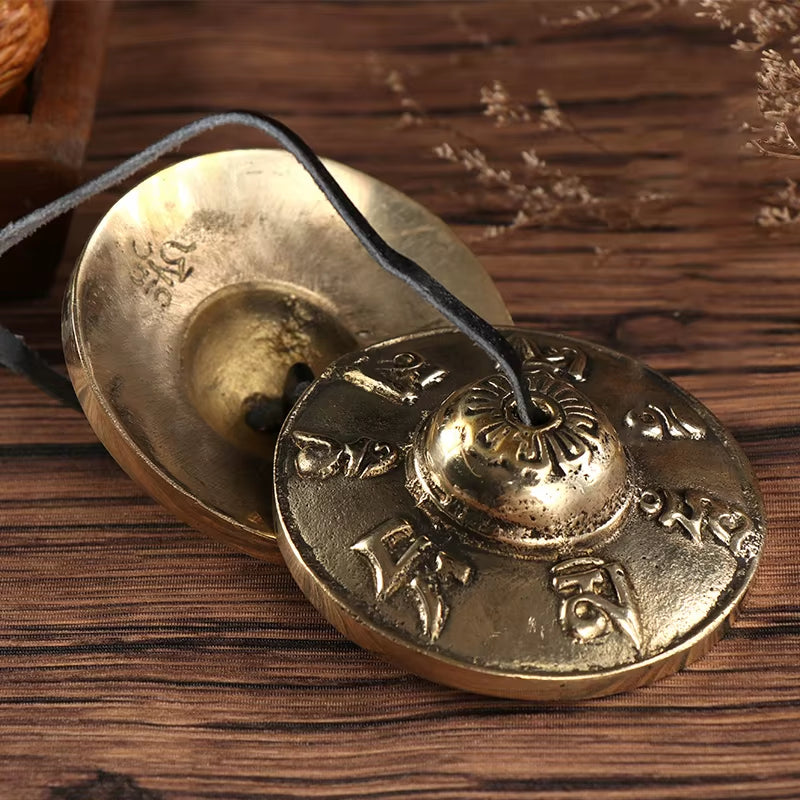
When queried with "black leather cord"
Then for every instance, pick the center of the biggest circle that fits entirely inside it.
(23, 360)
(20, 358)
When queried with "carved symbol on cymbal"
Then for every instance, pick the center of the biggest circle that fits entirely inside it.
(597, 598)
(400, 378)
(696, 512)
(402, 558)
(322, 457)
(651, 421)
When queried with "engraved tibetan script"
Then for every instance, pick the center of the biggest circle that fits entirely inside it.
(400, 379)
(402, 559)
(321, 457)
(596, 599)
(564, 359)
(157, 275)
(651, 421)
(696, 513)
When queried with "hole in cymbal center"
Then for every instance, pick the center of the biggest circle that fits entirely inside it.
(541, 412)
(263, 414)
(266, 414)
(249, 351)
(298, 379)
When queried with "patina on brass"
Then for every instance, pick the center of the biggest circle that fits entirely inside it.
(202, 288)
(602, 547)
(554, 483)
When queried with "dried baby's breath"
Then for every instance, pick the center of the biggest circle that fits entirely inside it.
(535, 194)
(762, 23)
(544, 195)
(721, 13)
(770, 28)
(412, 112)
(779, 103)
(551, 116)
(545, 115)
(498, 106)
(589, 13)
(781, 209)
(581, 15)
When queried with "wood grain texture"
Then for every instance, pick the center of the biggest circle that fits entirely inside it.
(129, 644)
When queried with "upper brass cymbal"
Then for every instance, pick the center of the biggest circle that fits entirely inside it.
(203, 286)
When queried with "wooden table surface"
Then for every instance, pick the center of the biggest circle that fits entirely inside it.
(141, 660)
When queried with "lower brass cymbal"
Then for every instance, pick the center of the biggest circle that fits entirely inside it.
(200, 290)
(603, 546)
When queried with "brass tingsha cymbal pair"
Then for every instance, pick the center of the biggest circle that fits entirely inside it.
(603, 545)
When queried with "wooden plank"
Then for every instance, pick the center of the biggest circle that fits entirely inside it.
(133, 646)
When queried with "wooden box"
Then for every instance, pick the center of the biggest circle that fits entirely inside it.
(42, 145)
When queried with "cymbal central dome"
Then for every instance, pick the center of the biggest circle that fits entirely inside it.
(555, 483)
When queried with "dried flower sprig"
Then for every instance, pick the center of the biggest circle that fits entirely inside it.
(781, 209)
(764, 22)
(545, 115)
(767, 27)
(589, 13)
(772, 29)
(414, 114)
(544, 195)
(779, 103)
(498, 106)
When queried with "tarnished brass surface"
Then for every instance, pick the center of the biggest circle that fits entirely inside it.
(554, 483)
(601, 548)
(200, 289)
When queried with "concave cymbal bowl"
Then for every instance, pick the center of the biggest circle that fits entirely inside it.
(201, 288)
